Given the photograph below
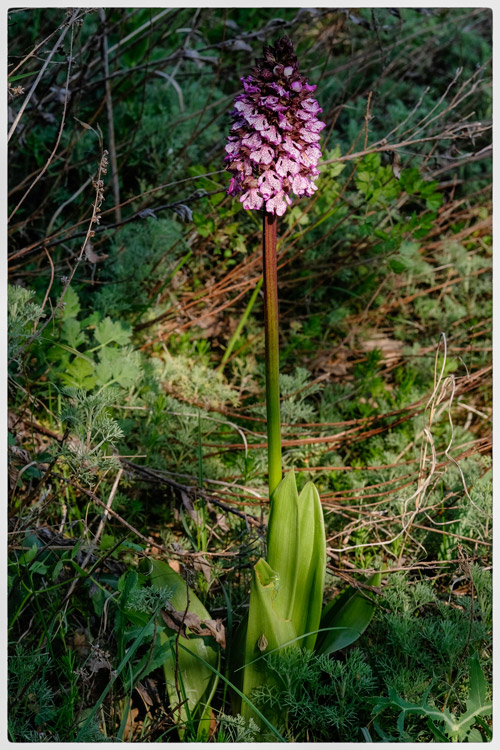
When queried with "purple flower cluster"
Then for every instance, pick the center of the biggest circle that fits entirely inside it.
(272, 148)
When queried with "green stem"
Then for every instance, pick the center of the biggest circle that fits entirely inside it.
(272, 352)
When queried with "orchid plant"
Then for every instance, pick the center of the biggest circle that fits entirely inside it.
(272, 153)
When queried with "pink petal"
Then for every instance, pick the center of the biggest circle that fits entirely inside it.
(300, 184)
(237, 124)
(245, 106)
(285, 166)
(240, 165)
(306, 160)
(252, 141)
(279, 89)
(316, 126)
(271, 135)
(269, 183)
(252, 200)
(291, 148)
(268, 101)
(249, 85)
(232, 148)
(284, 124)
(311, 105)
(257, 120)
(314, 152)
(264, 155)
(309, 137)
(288, 71)
(303, 115)
(277, 204)
(296, 86)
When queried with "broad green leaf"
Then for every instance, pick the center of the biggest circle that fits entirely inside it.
(474, 736)
(456, 729)
(71, 304)
(266, 630)
(72, 332)
(120, 365)
(352, 611)
(192, 678)
(283, 543)
(287, 590)
(311, 566)
(477, 685)
(436, 731)
(81, 373)
(107, 331)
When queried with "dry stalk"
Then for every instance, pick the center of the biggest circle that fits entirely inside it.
(111, 126)
(63, 120)
(66, 26)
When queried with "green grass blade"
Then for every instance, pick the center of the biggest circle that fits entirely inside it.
(245, 700)
(243, 320)
(130, 653)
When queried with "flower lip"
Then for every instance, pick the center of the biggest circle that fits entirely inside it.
(264, 155)
(309, 136)
(251, 141)
(311, 105)
(252, 199)
(272, 135)
(285, 166)
(269, 184)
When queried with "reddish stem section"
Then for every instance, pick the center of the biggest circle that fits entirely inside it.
(272, 352)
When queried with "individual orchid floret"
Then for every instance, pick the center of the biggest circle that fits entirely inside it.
(273, 149)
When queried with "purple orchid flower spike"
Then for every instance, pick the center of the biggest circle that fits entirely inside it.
(272, 152)
(273, 147)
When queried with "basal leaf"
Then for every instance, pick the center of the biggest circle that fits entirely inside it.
(351, 611)
(191, 681)
(266, 630)
(477, 685)
(283, 542)
(311, 567)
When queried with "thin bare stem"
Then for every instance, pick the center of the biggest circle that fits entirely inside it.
(42, 71)
(272, 352)
(111, 126)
